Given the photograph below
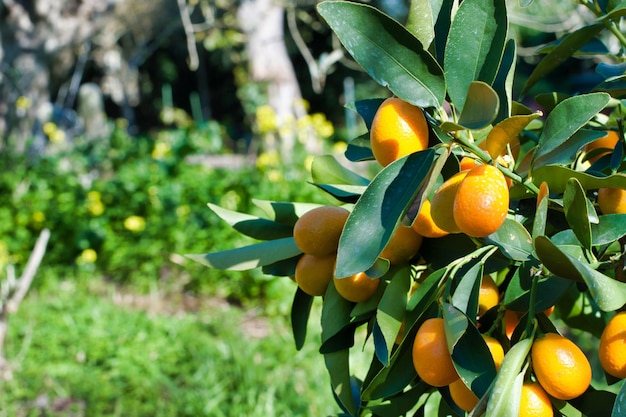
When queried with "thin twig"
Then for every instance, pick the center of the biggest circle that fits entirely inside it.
(194, 61)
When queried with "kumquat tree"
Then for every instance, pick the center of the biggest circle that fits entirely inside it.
(483, 264)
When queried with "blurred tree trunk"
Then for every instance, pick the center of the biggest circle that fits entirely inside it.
(262, 22)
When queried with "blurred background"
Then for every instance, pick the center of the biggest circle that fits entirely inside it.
(119, 121)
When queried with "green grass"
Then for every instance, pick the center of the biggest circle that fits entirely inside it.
(75, 351)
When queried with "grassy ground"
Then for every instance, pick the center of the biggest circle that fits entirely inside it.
(93, 350)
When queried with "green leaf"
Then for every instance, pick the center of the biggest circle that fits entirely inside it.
(572, 42)
(326, 169)
(255, 227)
(366, 109)
(549, 290)
(575, 205)
(503, 84)
(620, 403)
(389, 53)
(557, 176)
(615, 86)
(337, 327)
(513, 240)
(541, 214)
(300, 312)
(249, 257)
(343, 193)
(400, 404)
(391, 309)
(505, 132)
(482, 105)
(566, 119)
(565, 152)
(359, 149)
(504, 398)
(610, 228)
(283, 211)
(377, 212)
(616, 13)
(595, 402)
(282, 268)
(475, 46)
(422, 17)
(607, 293)
(338, 366)
(465, 296)
(470, 354)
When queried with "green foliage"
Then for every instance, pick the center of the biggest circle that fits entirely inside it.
(553, 249)
(70, 344)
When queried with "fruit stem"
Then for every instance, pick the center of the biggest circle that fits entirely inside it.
(531, 307)
(473, 148)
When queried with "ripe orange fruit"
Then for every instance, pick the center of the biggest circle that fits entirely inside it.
(511, 320)
(612, 200)
(398, 129)
(612, 351)
(431, 357)
(402, 246)
(466, 163)
(356, 288)
(481, 202)
(442, 203)
(317, 231)
(560, 366)
(497, 352)
(424, 224)
(489, 295)
(606, 143)
(534, 402)
(313, 273)
(462, 395)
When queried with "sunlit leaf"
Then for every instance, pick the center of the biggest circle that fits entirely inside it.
(610, 228)
(337, 326)
(300, 312)
(366, 108)
(568, 46)
(284, 211)
(338, 366)
(391, 309)
(565, 152)
(503, 84)
(465, 295)
(557, 176)
(505, 132)
(513, 240)
(576, 210)
(389, 53)
(326, 169)
(615, 86)
(549, 290)
(475, 46)
(608, 293)
(377, 212)
(541, 214)
(343, 193)
(421, 20)
(255, 227)
(566, 119)
(481, 106)
(249, 257)
(359, 149)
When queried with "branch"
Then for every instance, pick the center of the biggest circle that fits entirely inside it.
(194, 61)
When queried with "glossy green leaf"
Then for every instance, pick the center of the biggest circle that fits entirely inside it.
(566, 119)
(282, 268)
(300, 312)
(391, 309)
(338, 366)
(470, 354)
(344, 193)
(607, 293)
(377, 212)
(337, 326)
(610, 228)
(566, 152)
(575, 205)
(389, 53)
(475, 46)
(615, 86)
(548, 101)
(616, 13)
(326, 169)
(481, 106)
(503, 84)
(400, 404)
(506, 389)
(513, 240)
(249, 257)
(549, 290)
(440, 252)
(422, 17)
(283, 211)
(255, 227)
(572, 42)
(465, 295)
(579, 312)
(594, 402)
(541, 213)
(359, 149)
(557, 176)
(505, 132)
(619, 406)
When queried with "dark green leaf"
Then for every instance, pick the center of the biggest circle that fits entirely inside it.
(376, 214)
(389, 53)
(391, 309)
(300, 312)
(575, 205)
(503, 84)
(513, 240)
(566, 119)
(465, 295)
(616, 13)
(557, 176)
(470, 354)
(620, 403)
(338, 366)
(255, 227)
(541, 214)
(249, 257)
(343, 193)
(400, 404)
(615, 86)
(607, 293)
(572, 42)
(475, 46)
(595, 402)
(548, 101)
(438, 253)
(336, 320)
(566, 151)
(326, 169)
(282, 268)
(283, 211)
(549, 290)
(366, 109)
(481, 106)
(359, 149)
(579, 312)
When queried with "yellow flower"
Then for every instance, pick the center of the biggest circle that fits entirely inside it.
(135, 223)
(340, 147)
(58, 136)
(87, 256)
(161, 150)
(94, 203)
(23, 103)
(49, 128)
(322, 126)
(268, 159)
(274, 175)
(266, 119)
(39, 217)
